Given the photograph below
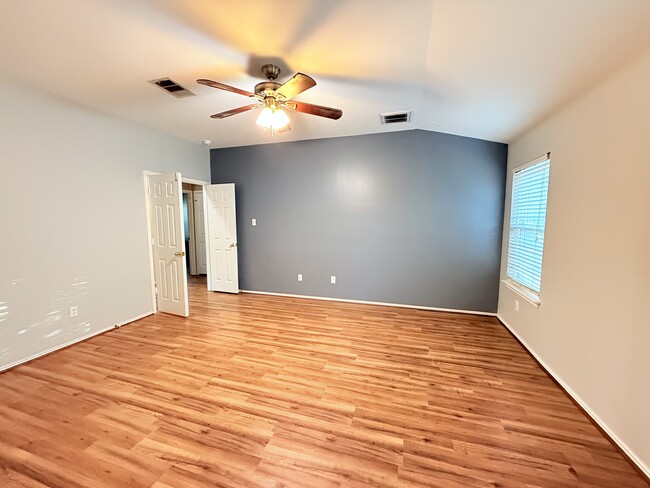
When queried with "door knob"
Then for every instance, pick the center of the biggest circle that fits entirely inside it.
(234, 244)
(179, 253)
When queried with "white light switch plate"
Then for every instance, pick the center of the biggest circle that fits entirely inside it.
(333, 280)
(299, 276)
(253, 222)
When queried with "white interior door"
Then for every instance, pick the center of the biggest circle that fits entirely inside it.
(199, 230)
(222, 238)
(168, 241)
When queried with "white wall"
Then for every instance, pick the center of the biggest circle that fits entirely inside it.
(592, 329)
(72, 219)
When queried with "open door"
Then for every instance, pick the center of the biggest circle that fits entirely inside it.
(221, 237)
(168, 242)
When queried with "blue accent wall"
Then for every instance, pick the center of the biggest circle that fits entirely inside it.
(411, 217)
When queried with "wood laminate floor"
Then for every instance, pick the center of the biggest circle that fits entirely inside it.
(258, 391)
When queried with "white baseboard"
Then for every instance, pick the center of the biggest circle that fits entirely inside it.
(633, 457)
(70, 343)
(365, 302)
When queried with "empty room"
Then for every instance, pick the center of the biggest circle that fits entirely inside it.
(324, 243)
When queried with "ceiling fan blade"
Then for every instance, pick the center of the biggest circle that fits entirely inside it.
(308, 108)
(297, 84)
(221, 86)
(235, 111)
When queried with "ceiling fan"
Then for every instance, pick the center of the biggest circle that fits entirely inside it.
(274, 98)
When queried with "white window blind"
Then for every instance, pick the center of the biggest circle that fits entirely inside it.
(527, 221)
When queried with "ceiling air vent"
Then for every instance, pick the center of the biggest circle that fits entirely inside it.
(395, 117)
(173, 88)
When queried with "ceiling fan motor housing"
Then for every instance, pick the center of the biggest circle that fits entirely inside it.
(270, 71)
(266, 87)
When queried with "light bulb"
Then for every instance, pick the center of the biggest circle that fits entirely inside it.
(280, 119)
(266, 117)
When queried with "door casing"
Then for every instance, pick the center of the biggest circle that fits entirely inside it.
(191, 249)
(200, 240)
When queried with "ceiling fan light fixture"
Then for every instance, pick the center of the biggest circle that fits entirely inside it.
(280, 119)
(265, 119)
(272, 117)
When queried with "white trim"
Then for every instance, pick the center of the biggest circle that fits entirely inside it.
(366, 302)
(134, 319)
(190, 230)
(147, 201)
(194, 182)
(70, 343)
(633, 457)
(538, 159)
(528, 295)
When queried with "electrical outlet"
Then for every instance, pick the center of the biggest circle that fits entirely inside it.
(333, 279)
(299, 276)
(74, 311)
(516, 305)
(253, 222)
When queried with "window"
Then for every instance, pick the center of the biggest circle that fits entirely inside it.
(527, 221)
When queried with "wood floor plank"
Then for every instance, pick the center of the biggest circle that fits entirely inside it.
(261, 391)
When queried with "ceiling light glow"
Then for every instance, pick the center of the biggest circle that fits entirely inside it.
(272, 117)
(265, 118)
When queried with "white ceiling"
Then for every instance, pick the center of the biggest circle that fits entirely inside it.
(480, 68)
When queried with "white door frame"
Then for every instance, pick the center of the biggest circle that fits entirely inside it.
(202, 184)
(145, 181)
(152, 276)
(206, 225)
(198, 241)
(191, 249)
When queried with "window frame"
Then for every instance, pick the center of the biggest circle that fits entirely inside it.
(529, 294)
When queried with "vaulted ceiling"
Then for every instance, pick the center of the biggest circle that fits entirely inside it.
(481, 68)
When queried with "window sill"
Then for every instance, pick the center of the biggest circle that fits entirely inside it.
(529, 296)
